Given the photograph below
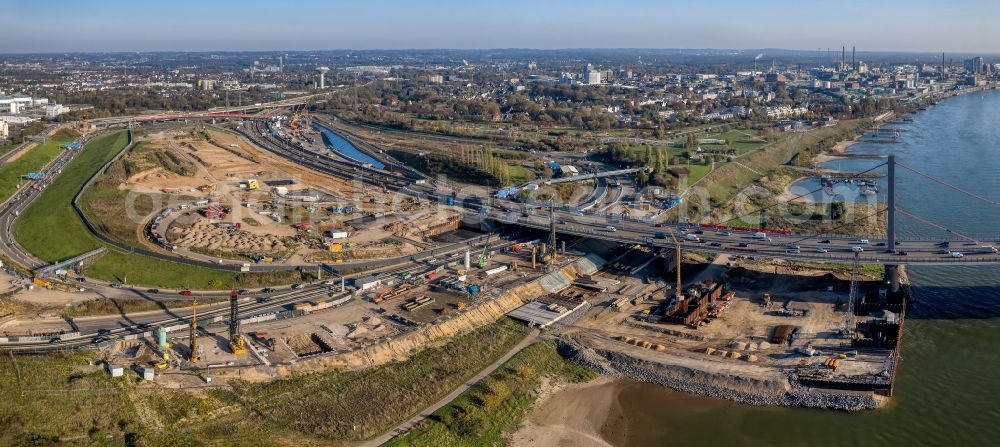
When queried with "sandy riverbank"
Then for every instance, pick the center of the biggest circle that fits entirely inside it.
(570, 415)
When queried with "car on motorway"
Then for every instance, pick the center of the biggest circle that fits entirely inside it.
(862, 241)
(744, 245)
(957, 254)
(901, 253)
(610, 229)
(297, 286)
(116, 286)
(693, 238)
(824, 241)
(153, 291)
(821, 250)
(727, 233)
(716, 244)
(660, 235)
(794, 247)
(267, 290)
(794, 251)
(857, 249)
(263, 299)
(186, 293)
(658, 225)
(943, 251)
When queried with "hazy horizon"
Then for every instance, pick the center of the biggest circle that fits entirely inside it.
(915, 26)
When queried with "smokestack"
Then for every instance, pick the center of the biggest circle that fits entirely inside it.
(854, 62)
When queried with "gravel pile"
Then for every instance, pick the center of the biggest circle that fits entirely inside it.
(747, 391)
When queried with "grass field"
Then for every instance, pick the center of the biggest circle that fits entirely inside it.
(519, 174)
(481, 416)
(52, 230)
(11, 174)
(57, 399)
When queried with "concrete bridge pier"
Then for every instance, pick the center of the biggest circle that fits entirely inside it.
(892, 277)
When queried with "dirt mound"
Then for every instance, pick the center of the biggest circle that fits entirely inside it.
(207, 235)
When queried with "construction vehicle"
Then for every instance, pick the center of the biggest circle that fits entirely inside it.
(236, 342)
(252, 184)
(767, 299)
(42, 282)
(484, 256)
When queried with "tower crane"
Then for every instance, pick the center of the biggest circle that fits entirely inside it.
(194, 357)
(851, 296)
(678, 292)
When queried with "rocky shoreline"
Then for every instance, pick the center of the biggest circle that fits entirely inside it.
(746, 391)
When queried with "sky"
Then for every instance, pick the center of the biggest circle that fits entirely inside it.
(58, 26)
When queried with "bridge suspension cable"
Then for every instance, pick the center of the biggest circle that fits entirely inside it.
(934, 225)
(949, 185)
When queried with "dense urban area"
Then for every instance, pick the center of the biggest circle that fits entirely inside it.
(425, 247)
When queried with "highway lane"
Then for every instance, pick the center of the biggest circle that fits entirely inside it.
(20, 200)
(825, 248)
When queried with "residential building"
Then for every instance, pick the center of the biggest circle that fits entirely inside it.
(590, 76)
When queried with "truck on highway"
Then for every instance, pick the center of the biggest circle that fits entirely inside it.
(693, 238)
(759, 235)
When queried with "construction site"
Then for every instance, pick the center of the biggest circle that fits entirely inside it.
(758, 331)
(213, 195)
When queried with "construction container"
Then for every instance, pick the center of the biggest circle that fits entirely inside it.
(148, 373)
(337, 234)
(115, 370)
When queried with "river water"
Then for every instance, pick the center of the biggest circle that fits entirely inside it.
(948, 384)
(343, 147)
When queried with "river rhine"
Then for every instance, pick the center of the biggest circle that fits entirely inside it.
(949, 379)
